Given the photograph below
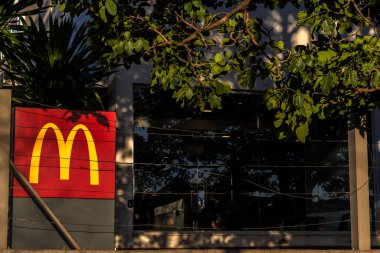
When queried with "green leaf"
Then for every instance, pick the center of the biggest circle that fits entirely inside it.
(362, 102)
(302, 15)
(346, 55)
(309, 61)
(307, 110)
(215, 101)
(371, 40)
(111, 7)
(302, 131)
(222, 88)
(367, 67)
(211, 42)
(98, 98)
(359, 40)
(326, 56)
(321, 114)
(316, 108)
(281, 135)
(272, 103)
(375, 80)
(327, 83)
(278, 122)
(139, 45)
(198, 43)
(279, 119)
(172, 71)
(232, 22)
(278, 46)
(197, 3)
(128, 47)
(189, 93)
(298, 100)
(102, 13)
(328, 27)
(281, 44)
(216, 69)
(127, 35)
(188, 7)
(284, 106)
(228, 54)
(146, 45)
(226, 40)
(218, 58)
(353, 77)
(227, 68)
(62, 7)
(296, 65)
(159, 39)
(201, 13)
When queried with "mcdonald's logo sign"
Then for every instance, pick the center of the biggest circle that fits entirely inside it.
(64, 151)
(65, 154)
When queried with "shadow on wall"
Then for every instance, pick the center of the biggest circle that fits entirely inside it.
(122, 88)
(284, 27)
(76, 116)
(241, 239)
(282, 24)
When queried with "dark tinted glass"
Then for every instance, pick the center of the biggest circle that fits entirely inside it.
(227, 169)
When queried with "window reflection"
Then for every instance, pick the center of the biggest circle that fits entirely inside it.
(226, 170)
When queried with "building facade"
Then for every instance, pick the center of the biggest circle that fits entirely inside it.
(223, 179)
(186, 179)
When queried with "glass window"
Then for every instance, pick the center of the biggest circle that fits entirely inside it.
(226, 170)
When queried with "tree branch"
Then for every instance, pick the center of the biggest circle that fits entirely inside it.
(367, 90)
(359, 12)
(353, 34)
(220, 22)
(246, 19)
(179, 17)
(166, 41)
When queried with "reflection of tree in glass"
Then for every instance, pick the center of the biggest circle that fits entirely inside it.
(234, 158)
(154, 175)
(328, 177)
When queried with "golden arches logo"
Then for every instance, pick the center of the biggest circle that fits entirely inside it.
(64, 149)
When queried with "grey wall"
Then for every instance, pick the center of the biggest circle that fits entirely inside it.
(89, 221)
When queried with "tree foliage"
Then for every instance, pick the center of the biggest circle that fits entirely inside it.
(192, 44)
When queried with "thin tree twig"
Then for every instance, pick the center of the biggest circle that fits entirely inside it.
(251, 36)
(359, 12)
(367, 90)
(180, 18)
(220, 22)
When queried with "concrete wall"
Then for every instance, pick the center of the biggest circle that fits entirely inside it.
(200, 251)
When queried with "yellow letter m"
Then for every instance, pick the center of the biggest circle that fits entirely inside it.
(64, 148)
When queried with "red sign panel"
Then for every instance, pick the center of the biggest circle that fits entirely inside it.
(65, 154)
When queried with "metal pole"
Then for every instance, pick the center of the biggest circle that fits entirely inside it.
(5, 140)
(63, 231)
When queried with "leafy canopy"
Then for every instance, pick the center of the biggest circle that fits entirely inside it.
(191, 44)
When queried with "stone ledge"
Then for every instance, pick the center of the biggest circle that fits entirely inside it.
(198, 251)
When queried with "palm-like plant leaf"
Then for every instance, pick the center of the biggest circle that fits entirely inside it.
(10, 10)
(54, 65)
